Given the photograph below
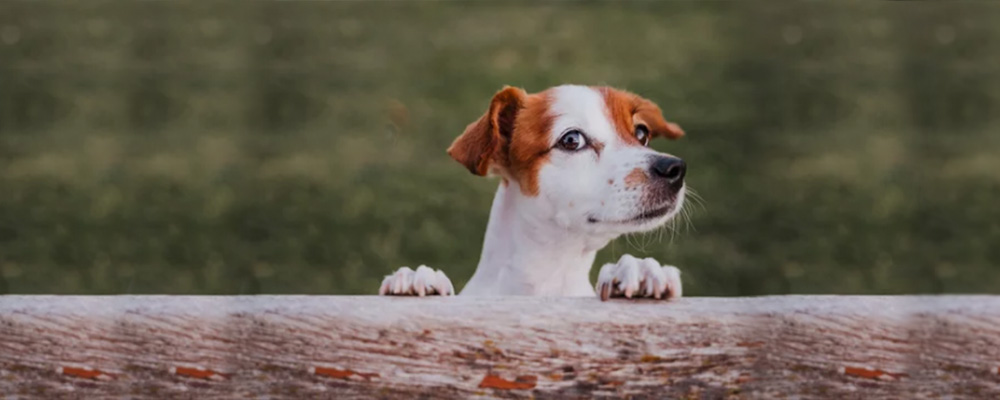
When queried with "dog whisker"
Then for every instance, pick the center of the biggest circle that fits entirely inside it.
(695, 198)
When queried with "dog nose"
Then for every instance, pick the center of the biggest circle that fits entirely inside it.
(670, 168)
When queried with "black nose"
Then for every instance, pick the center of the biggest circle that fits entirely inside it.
(670, 168)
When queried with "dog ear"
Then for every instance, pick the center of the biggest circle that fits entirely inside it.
(479, 147)
(648, 113)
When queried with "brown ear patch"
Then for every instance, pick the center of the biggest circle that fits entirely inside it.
(511, 138)
(626, 110)
(475, 147)
(480, 147)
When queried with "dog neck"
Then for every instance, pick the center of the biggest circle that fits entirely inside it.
(524, 254)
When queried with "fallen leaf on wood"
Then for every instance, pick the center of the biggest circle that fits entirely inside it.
(87, 373)
(870, 373)
(523, 382)
(648, 358)
(340, 373)
(197, 372)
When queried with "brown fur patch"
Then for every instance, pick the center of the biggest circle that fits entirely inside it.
(529, 148)
(626, 110)
(597, 146)
(511, 138)
(479, 147)
(636, 178)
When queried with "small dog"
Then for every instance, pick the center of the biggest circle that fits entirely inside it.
(576, 172)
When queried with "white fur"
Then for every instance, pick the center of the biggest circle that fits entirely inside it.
(421, 282)
(642, 278)
(545, 245)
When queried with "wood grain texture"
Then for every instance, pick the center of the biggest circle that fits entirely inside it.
(393, 347)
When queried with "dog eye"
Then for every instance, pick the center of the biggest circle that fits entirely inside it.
(572, 141)
(642, 133)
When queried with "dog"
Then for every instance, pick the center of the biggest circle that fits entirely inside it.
(576, 172)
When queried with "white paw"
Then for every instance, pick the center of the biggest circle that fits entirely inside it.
(631, 276)
(422, 282)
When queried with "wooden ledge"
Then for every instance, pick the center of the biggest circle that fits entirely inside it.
(456, 347)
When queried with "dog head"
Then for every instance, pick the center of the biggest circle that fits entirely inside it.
(579, 157)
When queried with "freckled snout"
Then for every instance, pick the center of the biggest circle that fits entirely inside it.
(668, 169)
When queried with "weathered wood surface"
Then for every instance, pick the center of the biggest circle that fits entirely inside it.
(389, 347)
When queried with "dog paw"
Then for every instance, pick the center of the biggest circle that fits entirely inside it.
(422, 282)
(631, 276)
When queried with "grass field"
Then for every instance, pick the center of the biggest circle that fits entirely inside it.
(249, 147)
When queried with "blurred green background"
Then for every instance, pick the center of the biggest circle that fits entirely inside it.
(251, 147)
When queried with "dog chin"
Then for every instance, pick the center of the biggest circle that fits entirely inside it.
(651, 220)
(647, 218)
(655, 217)
(644, 220)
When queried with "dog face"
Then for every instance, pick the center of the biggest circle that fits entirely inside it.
(579, 156)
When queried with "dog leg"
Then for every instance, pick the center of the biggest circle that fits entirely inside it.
(631, 276)
(422, 282)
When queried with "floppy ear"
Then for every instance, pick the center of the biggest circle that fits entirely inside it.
(479, 147)
(648, 113)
